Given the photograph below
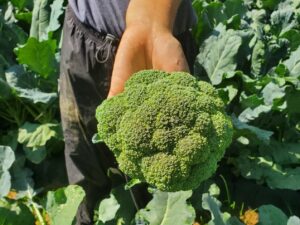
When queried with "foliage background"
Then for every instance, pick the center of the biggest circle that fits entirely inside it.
(249, 50)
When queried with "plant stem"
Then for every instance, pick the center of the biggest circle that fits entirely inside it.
(132, 196)
(226, 188)
(38, 214)
(36, 210)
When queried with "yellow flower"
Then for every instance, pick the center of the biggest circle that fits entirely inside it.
(250, 217)
(12, 195)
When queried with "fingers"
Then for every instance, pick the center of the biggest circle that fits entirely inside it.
(130, 58)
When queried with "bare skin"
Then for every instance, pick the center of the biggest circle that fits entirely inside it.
(147, 42)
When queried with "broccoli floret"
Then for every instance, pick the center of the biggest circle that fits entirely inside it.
(167, 129)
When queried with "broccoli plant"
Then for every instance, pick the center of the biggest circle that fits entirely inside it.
(166, 129)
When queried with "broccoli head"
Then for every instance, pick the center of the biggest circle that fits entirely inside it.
(166, 129)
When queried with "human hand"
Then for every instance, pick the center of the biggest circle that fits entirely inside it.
(140, 50)
(146, 44)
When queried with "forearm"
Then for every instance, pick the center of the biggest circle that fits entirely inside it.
(154, 14)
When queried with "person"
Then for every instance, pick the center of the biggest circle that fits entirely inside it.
(104, 43)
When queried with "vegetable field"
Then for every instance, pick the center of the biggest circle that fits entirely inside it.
(248, 50)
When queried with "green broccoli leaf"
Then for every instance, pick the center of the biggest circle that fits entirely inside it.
(15, 35)
(258, 57)
(20, 4)
(217, 55)
(40, 19)
(269, 214)
(7, 157)
(272, 92)
(293, 63)
(250, 114)
(35, 154)
(213, 205)
(5, 90)
(235, 7)
(267, 4)
(118, 209)
(15, 213)
(282, 153)
(108, 209)
(39, 56)
(63, 203)
(27, 85)
(263, 168)
(293, 36)
(293, 99)
(56, 12)
(34, 137)
(22, 181)
(293, 220)
(10, 139)
(245, 129)
(167, 208)
(282, 19)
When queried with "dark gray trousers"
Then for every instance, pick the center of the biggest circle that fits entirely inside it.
(87, 59)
